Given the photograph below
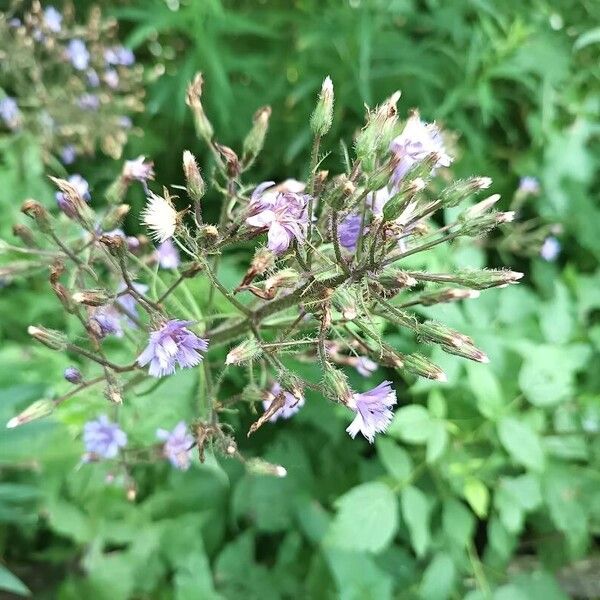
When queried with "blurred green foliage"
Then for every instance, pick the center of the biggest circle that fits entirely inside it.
(487, 486)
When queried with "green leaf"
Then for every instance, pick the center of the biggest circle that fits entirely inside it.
(415, 511)
(437, 441)
(477, 495)
(522, 443)
(438, 579)
(486, 389)
(458, 522)
(11, 583)
(411, 424)
(395, 459)
(366, 519)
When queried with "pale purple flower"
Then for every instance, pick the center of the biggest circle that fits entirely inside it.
(290, 407)
(373, 414)
(52, 19)
(128, 302)
(88, 101)
(378, 199)
(68, 154)
(14, 22)
(417, 140)
(529, 185)
(550, 249)
(132, 242)
(168, 255)
(365, 366)
(82, 187)
(102, 438)
(173, 344)
(283, 215)
(78, 54)
(119, 55)
(9, 112)
(177, 445)
(138, 169)
(125, 122)
(73, 375)
(111, 78)
(92, 77)
(106, 320)
(349, 231)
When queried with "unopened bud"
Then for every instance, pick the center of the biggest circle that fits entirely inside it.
(37, 410)
(92, 297)
(463, 189)
(258, 466)
(193, 179)
(112, 392)
(204, 129)
(423, 367)
(345, 302)
(115, 216)
(209, 235)
(33, 209)
(231, 160)
(286, 278)
(481, 207)
(253, 144)
(115, 244)
(25, 235)
(339, 190)
(335, 385)
(264, 259)
(438, 333)
(322, 117)
(49, 337)
(468, 351)
(446, 295)
(248, 350)
(73, 375)
(73, 203)
(393, 278)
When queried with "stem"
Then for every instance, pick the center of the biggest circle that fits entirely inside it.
(229, 295)
(314, 157)
(336, 240)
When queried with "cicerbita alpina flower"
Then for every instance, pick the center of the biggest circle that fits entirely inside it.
(160, 217)
(68, 154)
(93, 78)
(52, 19)
(78, 54)
(550, 249)
(111, 78)
(283, 215)
(291, 405)
(417, 141)
(103, 439)
(138, 170)
(73, 375)
(9, 112)
(377, 200)
(349, 231)
(88, 101)
(365, 366)
(83, 189)
(173, 344)
(529, 185)
(128, 302)
(373, 414)
(177, 445)
(168, 255)
(106, 320)
(119, 55)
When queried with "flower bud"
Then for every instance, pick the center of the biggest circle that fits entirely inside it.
(204, 129)
(446, 295)
(463, 189)
(37, 410)
(248, 350)
(335, 385)
(25, 235)
(73, 375)
(49, 337)
(117, 190)
(438, 333)
(393, 279)
(209, 235)
(253, 144)
(112, 391)
(115, 217)
(467, 350)
(73, 203)
(263, 260)
(423, 367)
(231, 160)
(375, 137)
(258, 466)
(398, 203)
(115, 244)
(345, 302)
(291, 384)
(286, 278)
(339, 190)
(322, 117)
(91, 297)
(39, 214)
(481, 207)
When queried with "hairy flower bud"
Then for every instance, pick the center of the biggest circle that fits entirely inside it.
(204, 129)
(253, 144)
(92, 297)
(194, 183)
(33, 209)
(446, 295)
(345, 302)
(339, 190)
(115, 217)
(335, 385)
(423, 367)
(209, 235)
(73, 375)
(440, 334)
(264, 259)
(37, 410)
(467, 350)
(56, 340)
(322, 117)
(115, 244)
(463, 189)
(248, 350)
(394, 278)
(74, 203)
(25, 234)
(258, 466)
(231, 160)
(375, 137)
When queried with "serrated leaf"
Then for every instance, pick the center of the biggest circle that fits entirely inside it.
(522, 443)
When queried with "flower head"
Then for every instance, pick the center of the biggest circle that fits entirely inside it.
(177, 444)
(106, 320)
(9, 112)
(138, 170)
(128, 302)
(282, 214)
(529, 185)
(172, 344)
(83, 189)
(550, 249)
(78, 54)
(417, 140)
(349, 231)
(73, 375)
(168, 255)
(160, 217)
(68, 154)
(88, 101)
(291, 405)
(119, 55)
(373, 414)
(365, 366)
(111, 78)
(52, 19)
(102, 438)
